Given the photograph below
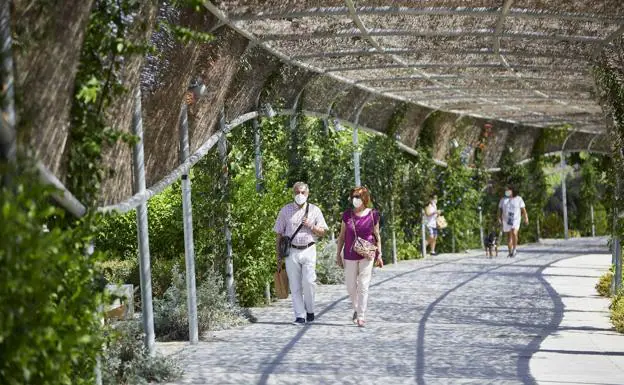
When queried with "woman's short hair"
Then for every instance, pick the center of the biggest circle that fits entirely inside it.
(363, 193)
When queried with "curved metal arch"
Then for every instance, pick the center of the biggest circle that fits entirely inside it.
(566, 141)
(331, 104)
(591, 142)
(139, 198)
(421, 125)
(293, 117)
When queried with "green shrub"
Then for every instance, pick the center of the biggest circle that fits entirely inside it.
(119, 271)
(50, 330)
(213, 310)
(617, 311)
(552, 226)
(126, 361)
(408, 250)
(603, 287)
(327, 271)
(572, 233)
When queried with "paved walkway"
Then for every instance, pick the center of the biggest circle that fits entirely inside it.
(454, 319)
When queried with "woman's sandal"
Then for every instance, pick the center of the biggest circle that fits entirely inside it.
(361, 323)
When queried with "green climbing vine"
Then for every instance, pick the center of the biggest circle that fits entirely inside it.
(610, 82)
(98, 84)
(426, 137)
(397, 119)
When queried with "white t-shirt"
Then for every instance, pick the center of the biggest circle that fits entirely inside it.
(430, 220)
(511, 210)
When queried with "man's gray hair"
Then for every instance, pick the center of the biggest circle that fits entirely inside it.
(298, 185)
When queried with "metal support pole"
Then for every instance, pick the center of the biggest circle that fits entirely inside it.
(260, 187)
(258, 157)
(618, 266)
(593, 224)
(614, 234)
(229, 265)
(356, 157)
(189, 246)
(356, 153)
(539, 233)
(394, 248)
(98, 359)
(423, 234)
(8, 141)
(142, 227)
(453, 239)
(564, 198)
(481, 232)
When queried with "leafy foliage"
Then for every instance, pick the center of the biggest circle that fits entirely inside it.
(589, 194)
(127, 361)
(610, 86)
(603, 287)
(617, 311)
(50, 330)
(327, 272)
(459, 199)
(99, 82)
(214, 312)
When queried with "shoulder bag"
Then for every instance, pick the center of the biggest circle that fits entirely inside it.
(361, 246)
(441, 222)
(284, 245)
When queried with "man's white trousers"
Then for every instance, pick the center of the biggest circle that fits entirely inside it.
(301, 269)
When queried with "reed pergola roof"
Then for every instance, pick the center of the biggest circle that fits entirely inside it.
(524, 62)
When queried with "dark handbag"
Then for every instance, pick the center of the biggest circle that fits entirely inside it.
(361, 246)
(284, 244)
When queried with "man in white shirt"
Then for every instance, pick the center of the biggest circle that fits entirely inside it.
(510, 207)
(301, 259)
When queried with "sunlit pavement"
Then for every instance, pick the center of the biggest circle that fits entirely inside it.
(450, 319)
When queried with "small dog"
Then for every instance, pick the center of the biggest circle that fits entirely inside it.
(491, 244)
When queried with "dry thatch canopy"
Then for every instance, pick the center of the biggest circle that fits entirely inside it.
(526, 62)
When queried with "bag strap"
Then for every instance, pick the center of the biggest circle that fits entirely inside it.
(354, 231)
(353, 224)
(301, 224)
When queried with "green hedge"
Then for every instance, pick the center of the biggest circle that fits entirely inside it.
(50, 329)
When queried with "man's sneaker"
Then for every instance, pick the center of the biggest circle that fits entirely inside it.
(514, 252)
(433, 253)
(309, 317)
(299, 321)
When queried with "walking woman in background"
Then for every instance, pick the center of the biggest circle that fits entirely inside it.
(431, 221)
(510, 207)
(359, 231)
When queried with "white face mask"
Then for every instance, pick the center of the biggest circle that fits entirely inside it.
(508, 193)
(357, 203)
(300, 199)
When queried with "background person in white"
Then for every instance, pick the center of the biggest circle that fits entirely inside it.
(301, 260)
(510, 207)
(431, 217)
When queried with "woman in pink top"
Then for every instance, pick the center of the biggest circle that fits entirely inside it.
(358, 269)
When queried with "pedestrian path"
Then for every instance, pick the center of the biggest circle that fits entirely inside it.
(451, 319)
(582, 348)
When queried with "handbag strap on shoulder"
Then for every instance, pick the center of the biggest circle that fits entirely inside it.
(301, 224)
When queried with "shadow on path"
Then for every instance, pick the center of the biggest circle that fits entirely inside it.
(523, 369)
(280, 356)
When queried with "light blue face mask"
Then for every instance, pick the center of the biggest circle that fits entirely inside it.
(508, 193)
